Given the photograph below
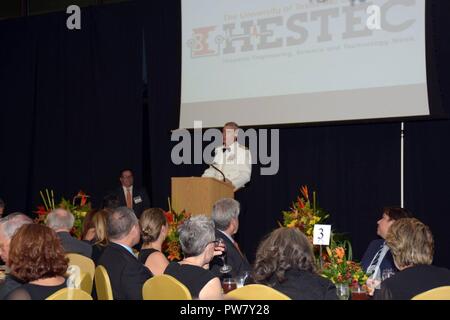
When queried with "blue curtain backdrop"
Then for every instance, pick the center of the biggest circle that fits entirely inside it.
(74, 111)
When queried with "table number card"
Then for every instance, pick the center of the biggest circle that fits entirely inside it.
(321, 234)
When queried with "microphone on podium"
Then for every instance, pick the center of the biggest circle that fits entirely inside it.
(224, 179)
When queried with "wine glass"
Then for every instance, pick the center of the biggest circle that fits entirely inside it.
(226, 268)
(342, 291)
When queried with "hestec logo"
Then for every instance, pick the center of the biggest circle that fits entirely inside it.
(356, 21)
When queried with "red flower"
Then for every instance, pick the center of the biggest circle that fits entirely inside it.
(41, 211)
(169, 216)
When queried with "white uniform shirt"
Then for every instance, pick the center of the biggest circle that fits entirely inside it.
(235, 163)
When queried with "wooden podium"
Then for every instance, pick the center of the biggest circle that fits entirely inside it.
(197, 195)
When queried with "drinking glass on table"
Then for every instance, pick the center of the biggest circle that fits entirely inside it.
(228, 284)
(242, 278)
(342, 291)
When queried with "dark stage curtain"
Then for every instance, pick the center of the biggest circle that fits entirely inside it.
(71, 114)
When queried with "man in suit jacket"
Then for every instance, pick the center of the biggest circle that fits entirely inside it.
(378, 256)
(126, 273)
(131, 196)
(225, 215)
(62, 222)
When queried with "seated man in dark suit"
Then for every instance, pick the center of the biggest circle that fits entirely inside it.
(378, 257)
(62, 222)
(131, 196)
(126, 273)
(225, 215)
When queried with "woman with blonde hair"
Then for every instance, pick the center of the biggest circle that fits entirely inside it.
(97, 235)
(412, 246)
(154, 229)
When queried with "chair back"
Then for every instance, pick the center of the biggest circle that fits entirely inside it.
(256, 292)
(103, 284)
(86, 264)
(70, 294)
(439, 293)
(86, 283)
(165, 287)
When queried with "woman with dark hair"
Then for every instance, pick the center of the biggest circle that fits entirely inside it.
(285, 261)
(37, 258)
(154, 230)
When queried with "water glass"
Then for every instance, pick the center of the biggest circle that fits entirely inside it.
(228, 284)
(342, 291)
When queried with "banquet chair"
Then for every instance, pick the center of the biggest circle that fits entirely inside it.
(256, 292)
(165, 287)
(103, 284)
(70, 294)
(86, 264)
(439, 293)
(86, 283)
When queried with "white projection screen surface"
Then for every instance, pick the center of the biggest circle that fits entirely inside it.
(268, 62)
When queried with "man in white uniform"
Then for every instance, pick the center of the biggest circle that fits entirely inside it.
(233, 159)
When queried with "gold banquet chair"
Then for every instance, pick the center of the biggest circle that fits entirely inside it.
(70, 294)
(86, 264)
(256, 292)
(165, 287)
(439, 293)
(103, 284)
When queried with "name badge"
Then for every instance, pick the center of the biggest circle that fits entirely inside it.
(137, 199)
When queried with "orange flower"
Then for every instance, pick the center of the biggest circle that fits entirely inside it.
(340, 252)
(304, 191)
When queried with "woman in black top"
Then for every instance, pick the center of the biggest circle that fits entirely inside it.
(37, 258)
(285, 261)
(412, 246)
(154, 230)
(197, 242)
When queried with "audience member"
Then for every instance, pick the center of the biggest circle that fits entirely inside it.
(412, 246)
(8, 227)
(126, 273)
(377, 257)
(111, 202)
(225, 215)
(88, 232)
(285, 261)
(99, 239)
(61, 221)
(38, 259)
(197, 241)
(154, 230)
(131, 196)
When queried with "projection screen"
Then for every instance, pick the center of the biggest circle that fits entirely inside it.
(267, 62)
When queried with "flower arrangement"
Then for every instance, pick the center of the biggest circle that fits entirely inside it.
(339, 268)
(304, 214)
(335, 263)
(79, 207)
(171, 246)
